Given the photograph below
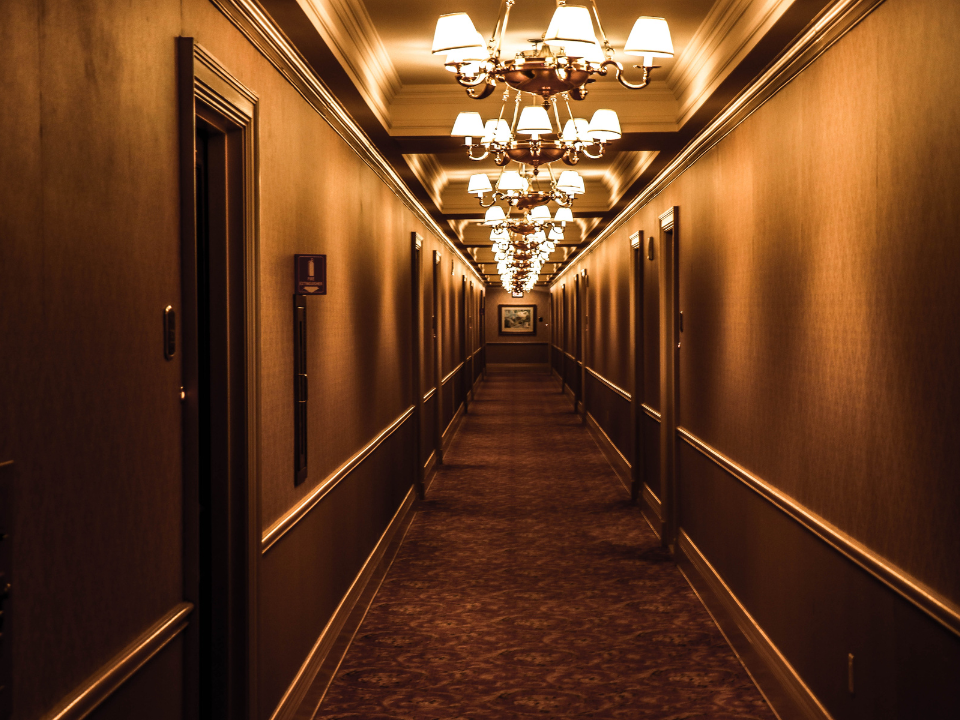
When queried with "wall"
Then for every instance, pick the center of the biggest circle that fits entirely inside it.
(523, 349)
(816, 284)
(92, 411)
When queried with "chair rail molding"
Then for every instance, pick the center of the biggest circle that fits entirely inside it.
(924, 598)
(285, 523)
(103, 683)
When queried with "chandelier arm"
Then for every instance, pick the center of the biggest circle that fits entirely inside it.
(462, 79)
(482, 157)
(492, 201)
(486, 92)
(590, 154)
(503, 18)
(603, 35)
(618, 71)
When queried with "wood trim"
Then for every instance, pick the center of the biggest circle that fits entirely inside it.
(430, 472)
(259, 28)
(295, 514)
(536, 342)
(429, 394)
(451, 374)
(621, 466)
(771, 672)
(618, 390)
(650, 509)
(926, 599)
(303, 696)
(452, 427)
(103, 683)
(651, 412)
(835, 22)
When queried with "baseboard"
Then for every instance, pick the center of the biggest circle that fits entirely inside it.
(452, 428)
(303, 697)
(650, 509)
(786, 693)
(618, 462)
(429, 471)
(517, 367)
(568, 391)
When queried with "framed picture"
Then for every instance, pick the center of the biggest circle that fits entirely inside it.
(518, 319)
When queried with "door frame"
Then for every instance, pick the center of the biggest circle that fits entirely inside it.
(636, 262)
(437, 358)
(669, 274)
(206, 87)
(416, 284)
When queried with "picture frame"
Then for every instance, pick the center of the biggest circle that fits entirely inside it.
(517, 319)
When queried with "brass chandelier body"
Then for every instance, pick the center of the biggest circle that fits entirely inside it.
(559, 62)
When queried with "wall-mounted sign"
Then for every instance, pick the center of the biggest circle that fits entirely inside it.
(310, 274)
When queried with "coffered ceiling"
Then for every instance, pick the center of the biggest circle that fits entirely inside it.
(407, 103)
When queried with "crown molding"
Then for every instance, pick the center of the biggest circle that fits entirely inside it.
(730, 30)
(262, 32)
(348, 30)
(831, 25)
(625, 171)
(430, 174)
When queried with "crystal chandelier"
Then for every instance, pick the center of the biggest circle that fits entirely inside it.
(523, 140)
(565, 59)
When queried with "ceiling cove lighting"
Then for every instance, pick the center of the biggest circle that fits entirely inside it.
(570, 52)
(534, 138)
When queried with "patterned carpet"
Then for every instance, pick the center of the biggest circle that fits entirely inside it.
(529, 586)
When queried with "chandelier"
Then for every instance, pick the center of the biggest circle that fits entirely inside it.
(520, 258)
(523, 193)
(565, 59)
(504, 140)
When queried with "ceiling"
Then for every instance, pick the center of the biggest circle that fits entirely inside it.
(407, 103)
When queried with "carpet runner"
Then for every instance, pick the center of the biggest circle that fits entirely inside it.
(529, 586)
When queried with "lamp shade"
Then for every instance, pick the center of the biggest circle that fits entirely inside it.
(455, 32)
(650, 36)
(570, 23)
(570, 182)
(555, 234)
(497, 130)
(540, 212)
(479, 184)
(468, 59)
(510, 181)
(500, 236)
(534, 121)
(539, 236)
(590, 52)
(494, 215)
(605, 125)
(564, 214)
(576, 129)
(468, 124)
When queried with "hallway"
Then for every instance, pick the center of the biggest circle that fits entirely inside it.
(529, 585)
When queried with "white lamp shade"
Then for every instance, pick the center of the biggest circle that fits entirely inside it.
(590, 52)
(570, 23)
(564, 214)
(539, 236)
(466, 55)
(650, 36)
(510, 181)
(570, 182)
(479, 184)
(467, 69)
(497, 130)
(500, 236)
(605, 125)
(455, 32)
(534, 121)
(540, 212)
(555, 234)
(468, 124)
(494, 215)
(576, 129)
